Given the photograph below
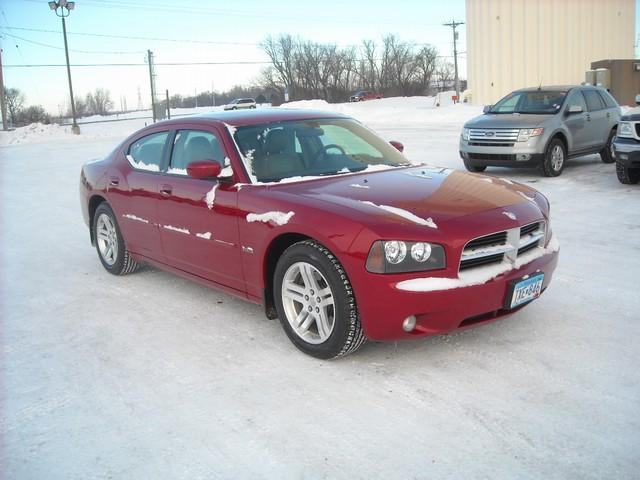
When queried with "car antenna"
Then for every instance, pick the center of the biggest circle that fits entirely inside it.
(540, 85)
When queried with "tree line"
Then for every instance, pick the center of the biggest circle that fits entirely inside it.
(316, 70)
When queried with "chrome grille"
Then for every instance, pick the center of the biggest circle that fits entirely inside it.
(502, 247)
(495, 137)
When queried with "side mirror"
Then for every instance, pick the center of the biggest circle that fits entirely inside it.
(575, 109)
(637, 99)
(486, 108)
(204, 169)
(397, 145)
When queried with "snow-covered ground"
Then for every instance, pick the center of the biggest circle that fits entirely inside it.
(152, 376)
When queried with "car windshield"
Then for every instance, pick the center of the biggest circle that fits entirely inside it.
(536, 102)
(275, 151)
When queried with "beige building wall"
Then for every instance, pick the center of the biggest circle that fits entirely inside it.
(523, 43)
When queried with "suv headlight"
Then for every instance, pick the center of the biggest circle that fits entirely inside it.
(399, 256)
(526, 133)
(625, 129)
(465, 134)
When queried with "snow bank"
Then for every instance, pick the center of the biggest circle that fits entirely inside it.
(476, 276)
(410, 111)
(279, 218)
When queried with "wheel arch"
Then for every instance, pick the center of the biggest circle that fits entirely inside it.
(94, 203)
(562, 136)
(274, 251)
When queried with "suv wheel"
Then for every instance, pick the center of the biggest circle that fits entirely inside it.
(607, 155)
(627, 175)
(554, 158)
(473, 168)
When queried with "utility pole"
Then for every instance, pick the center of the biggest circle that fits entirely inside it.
(2, 102)
(168, 109)
(453, 25)
(152, 83)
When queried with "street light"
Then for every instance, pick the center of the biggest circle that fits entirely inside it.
(63, 9)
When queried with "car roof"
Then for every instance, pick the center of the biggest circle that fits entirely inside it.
(548, 88)
(240, 118)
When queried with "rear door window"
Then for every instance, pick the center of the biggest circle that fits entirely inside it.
(147, 153)
(195, 145)
(608, 100)
(594, 100)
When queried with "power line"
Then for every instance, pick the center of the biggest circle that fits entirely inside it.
(453, 24)
(71, 50)
(134, 64)
(131, 37)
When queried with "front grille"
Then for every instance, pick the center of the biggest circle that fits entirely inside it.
(492, 156)
(501, 247)
(493, 136)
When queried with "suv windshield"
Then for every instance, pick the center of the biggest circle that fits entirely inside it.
(276, 151)
(536, 102)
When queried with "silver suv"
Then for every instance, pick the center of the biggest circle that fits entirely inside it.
(541, 127)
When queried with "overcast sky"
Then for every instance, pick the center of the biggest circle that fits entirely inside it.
(239, 26)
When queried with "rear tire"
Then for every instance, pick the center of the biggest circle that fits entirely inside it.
(473, 168)
(113, 255)
(626, 175)
(607, 155)
(554, 158)
(325, 328)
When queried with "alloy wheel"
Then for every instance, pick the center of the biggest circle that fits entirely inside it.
(557, 158)
(107, 238)
(308, 303)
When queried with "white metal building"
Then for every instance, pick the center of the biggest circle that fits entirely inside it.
(523, 43)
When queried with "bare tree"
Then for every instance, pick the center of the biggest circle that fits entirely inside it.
(425, 67)
(99, 101)
(444, 74)
(14, 99)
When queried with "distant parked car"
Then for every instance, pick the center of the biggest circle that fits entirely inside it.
(321, 221)
(240, 103)
(541, 127)
(626, 146)
(363, 95)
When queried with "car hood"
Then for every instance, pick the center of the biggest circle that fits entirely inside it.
(413, 194)
(503, 120)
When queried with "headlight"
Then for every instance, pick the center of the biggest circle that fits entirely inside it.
(390, 256)
(526, 133)
(465, 134)
(395, 252)
(625, 129)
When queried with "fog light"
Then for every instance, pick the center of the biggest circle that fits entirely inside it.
(409, 323)
(623, 156)
(523, 157)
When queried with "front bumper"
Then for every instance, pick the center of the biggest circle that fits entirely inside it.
(627, 152)
(441, 311)
(520, 154)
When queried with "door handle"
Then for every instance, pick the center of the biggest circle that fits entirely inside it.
(114, 181)
(166, 190)
(608, 114)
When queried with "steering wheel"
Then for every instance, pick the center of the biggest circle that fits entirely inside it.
(323, 152)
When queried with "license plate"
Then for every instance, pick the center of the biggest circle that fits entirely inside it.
(526, 290)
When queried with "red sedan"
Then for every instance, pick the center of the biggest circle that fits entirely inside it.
(321, 221)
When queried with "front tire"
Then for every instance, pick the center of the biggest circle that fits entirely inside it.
(473, 168)
(114, 256)
(626, 175)
(315, 302)
(554, 158)
(607, 155)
